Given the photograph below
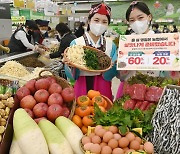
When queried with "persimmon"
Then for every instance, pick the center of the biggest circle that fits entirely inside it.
(77, 120)
(92, 110)
(84, 129)
(102, 108)
(93, 93)
(99, 100)
(105, 104)
(83, 100)
(87, 121)
(83, 111)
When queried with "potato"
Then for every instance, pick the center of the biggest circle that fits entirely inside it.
(2, 129)
(3, 122)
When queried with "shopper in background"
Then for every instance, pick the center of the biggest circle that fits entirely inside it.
(80, 31)
(174, 29)
(66, 37)
(155, 28)
(42, 32)
(165, 29)
(98, 21)
(139, 17)
(21, 39)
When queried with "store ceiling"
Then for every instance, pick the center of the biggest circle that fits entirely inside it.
(86, 1)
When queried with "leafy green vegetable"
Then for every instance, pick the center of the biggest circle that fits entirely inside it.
(149, 81)
(124, 119)
(91, 59)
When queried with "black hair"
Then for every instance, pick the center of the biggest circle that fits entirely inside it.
(139, 5)
(31, 24)
(174, 26)
(91, 15)
(155, 25)
(62, 28)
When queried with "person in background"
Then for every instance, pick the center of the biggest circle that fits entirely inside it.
(98, 21)
(42, 32)
(174, 29)
(65, 36)
(129, 31)
(139, 17)
(21, 39)
(155, 28)
(165, 29)
(80, 31)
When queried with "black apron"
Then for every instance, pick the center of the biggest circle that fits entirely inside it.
(16, 45)
(90, 79)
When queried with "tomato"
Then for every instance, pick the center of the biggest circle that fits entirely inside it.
(93, 93)
(99, 100)
(83, 100)
(83, 111)
(87, 121)
(77, 120)
(84, 129)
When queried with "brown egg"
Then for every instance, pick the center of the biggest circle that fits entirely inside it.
(113, 129)
(91, 135)
(100, 132)
(86, 139)
(141, 147)
(87, 146)
(125, 149)
(148, 147)
(95, 148)
(103, 144)
(117, 136)
(106, 150)
(138, 139)
(113, 143)
(129, 150)
(118, 151)
(107, 136)
(134, 145)
(130, 136)
(123, 142)
(96, 139)
(97, 127)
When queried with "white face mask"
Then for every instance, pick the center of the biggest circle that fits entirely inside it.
(43, 31)
(98, 29)
(139, 27)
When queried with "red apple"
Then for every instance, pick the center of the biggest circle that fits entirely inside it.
(31, 114)
(55, 88)
(54, 111)
(41, 95)
(37, 120)
(51, 79)
(22, 92)
(55, 98)
(68, 94)
(28, 102)
(42, 84)
(31, 86)
(40, 110)
(66, 112)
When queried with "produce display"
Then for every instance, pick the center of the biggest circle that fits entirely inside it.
(108, 140)
(45, 137)
(13, 68)
(87, 58)
(84, 111)
(45, 98)
(124, 119)
(30, 61)
(7, 90)
(166, 122)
